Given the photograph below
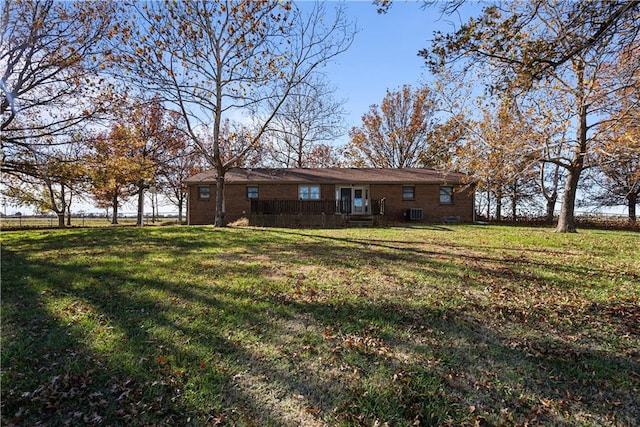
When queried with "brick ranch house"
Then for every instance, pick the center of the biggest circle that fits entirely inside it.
(333, 197)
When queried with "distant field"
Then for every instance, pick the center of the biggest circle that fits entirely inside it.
(457, 325)
(12, 222)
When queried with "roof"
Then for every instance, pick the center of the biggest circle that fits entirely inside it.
(333, 176)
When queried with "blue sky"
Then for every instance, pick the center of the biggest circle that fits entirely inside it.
(384, 53)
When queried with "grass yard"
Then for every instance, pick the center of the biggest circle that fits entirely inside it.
(463, 325)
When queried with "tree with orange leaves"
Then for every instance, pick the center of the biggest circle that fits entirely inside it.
(157, 137)
(492, 153)
(399, 133)
(547, 48)
(618, 160)
(170, 178)
(114, 167)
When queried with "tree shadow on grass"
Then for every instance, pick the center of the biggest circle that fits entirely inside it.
(179, 360)
(537, 379)
(50, 312)
(434, 227)
(503, 266)
(56, 368)
(205, 351)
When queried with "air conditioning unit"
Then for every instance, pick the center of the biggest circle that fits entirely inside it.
(415, 214)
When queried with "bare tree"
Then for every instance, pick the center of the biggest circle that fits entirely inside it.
(170, 180)
(309, 118)
(215, 59)
(51, 55)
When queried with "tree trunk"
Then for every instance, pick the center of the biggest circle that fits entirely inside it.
(180, 210)
(301, 150)
(54, 203)
(550, 197)
(498, 205)
(514, 202)
(488, 205)
(633, 200)
(217, 158)
(61, 219)
(566, 220)
(551, 207)
(219, 221)
(299, 162)
(140, 216)
(154, 206)
(114, 207)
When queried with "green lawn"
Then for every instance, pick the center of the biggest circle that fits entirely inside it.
(458, 325)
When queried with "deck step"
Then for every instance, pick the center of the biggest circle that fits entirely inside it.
(360, 221)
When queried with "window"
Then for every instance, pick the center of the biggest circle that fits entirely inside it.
(252, 192)
(309, 192)
(446, 195)
(204, 192)
(408, 192)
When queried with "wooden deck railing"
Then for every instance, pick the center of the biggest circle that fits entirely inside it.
(309, 207)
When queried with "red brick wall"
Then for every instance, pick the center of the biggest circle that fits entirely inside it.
(201, 211)
(427, 197)
(236, 203)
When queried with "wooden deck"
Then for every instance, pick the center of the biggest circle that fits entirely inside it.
(312, 207)
(313, 213)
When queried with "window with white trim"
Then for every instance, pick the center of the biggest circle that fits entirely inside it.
(309, 192)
